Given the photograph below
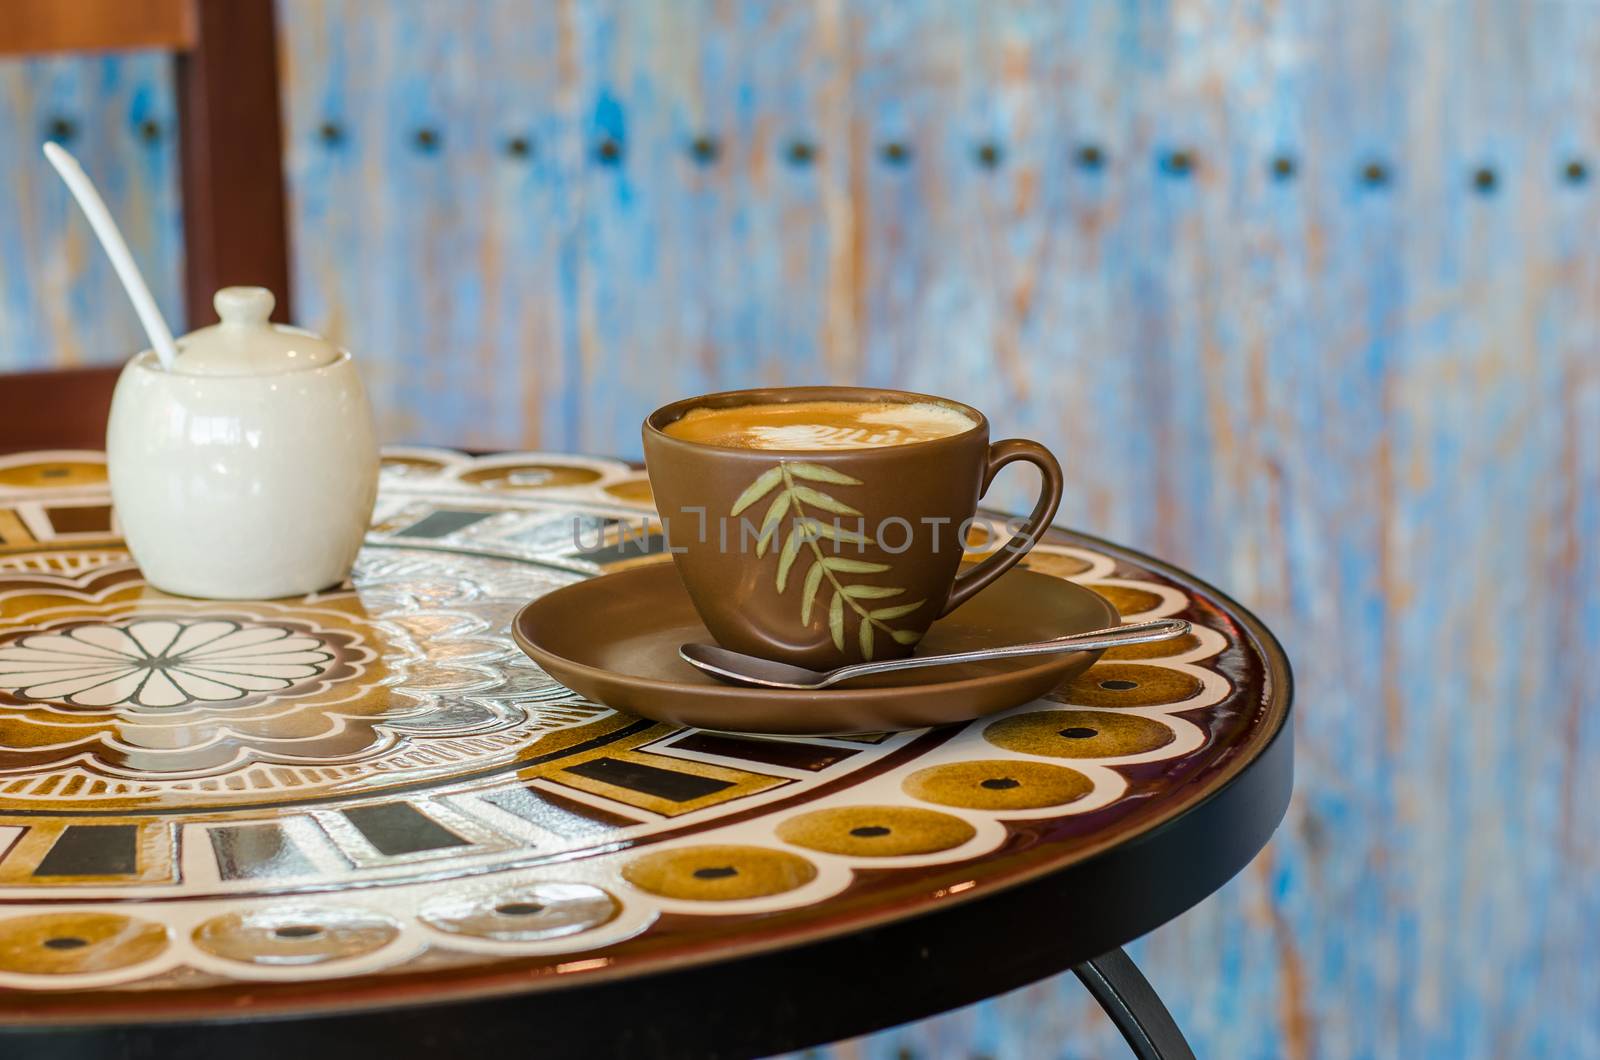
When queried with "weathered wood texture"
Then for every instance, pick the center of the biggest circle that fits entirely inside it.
(60, 303)
(1360, 389)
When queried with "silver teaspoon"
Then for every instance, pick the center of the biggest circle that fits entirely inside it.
(743, 669)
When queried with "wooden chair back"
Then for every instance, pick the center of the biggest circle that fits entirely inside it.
(230, 143)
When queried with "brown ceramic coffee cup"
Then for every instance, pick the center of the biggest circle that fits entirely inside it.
(822, 557)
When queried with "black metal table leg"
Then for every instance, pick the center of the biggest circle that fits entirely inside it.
(1132, 1003)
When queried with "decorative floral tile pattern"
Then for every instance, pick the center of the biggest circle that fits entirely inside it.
(374, 780)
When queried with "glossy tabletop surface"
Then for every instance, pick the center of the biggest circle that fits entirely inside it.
(369, 796)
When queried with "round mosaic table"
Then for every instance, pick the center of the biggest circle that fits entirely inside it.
(365, 818)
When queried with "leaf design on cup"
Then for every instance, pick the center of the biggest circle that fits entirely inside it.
(796, 497)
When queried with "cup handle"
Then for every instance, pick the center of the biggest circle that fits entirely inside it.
(1006, 556)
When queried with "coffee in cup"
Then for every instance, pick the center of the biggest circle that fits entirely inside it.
(825, 525)
(820, 425)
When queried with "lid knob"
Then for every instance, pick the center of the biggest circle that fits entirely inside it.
(246, 342)
(247, 306)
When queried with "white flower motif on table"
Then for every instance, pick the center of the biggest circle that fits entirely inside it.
(160, 663)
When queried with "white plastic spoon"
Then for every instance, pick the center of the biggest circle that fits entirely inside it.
(94, 207)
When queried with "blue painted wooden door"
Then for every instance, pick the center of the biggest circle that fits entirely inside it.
(1306, 296)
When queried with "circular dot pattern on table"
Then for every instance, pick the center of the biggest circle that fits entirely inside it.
(295, 934)
(1127, 600)
(53, 474)
(1078, 734)
(1127, 685)
(411, 465)
(719, 873)
(524, 914)
(876, 831)
(75, 943)
(1160, 649)
(998, 784)
(1058, 564)
(530, 476)
(634, 491)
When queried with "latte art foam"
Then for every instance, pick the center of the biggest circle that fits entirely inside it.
(817, 425)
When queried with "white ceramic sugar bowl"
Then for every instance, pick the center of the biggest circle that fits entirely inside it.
(250, 470)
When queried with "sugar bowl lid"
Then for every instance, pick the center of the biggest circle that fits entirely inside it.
(247, 343)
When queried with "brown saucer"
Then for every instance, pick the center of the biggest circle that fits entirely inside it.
(615, 638)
